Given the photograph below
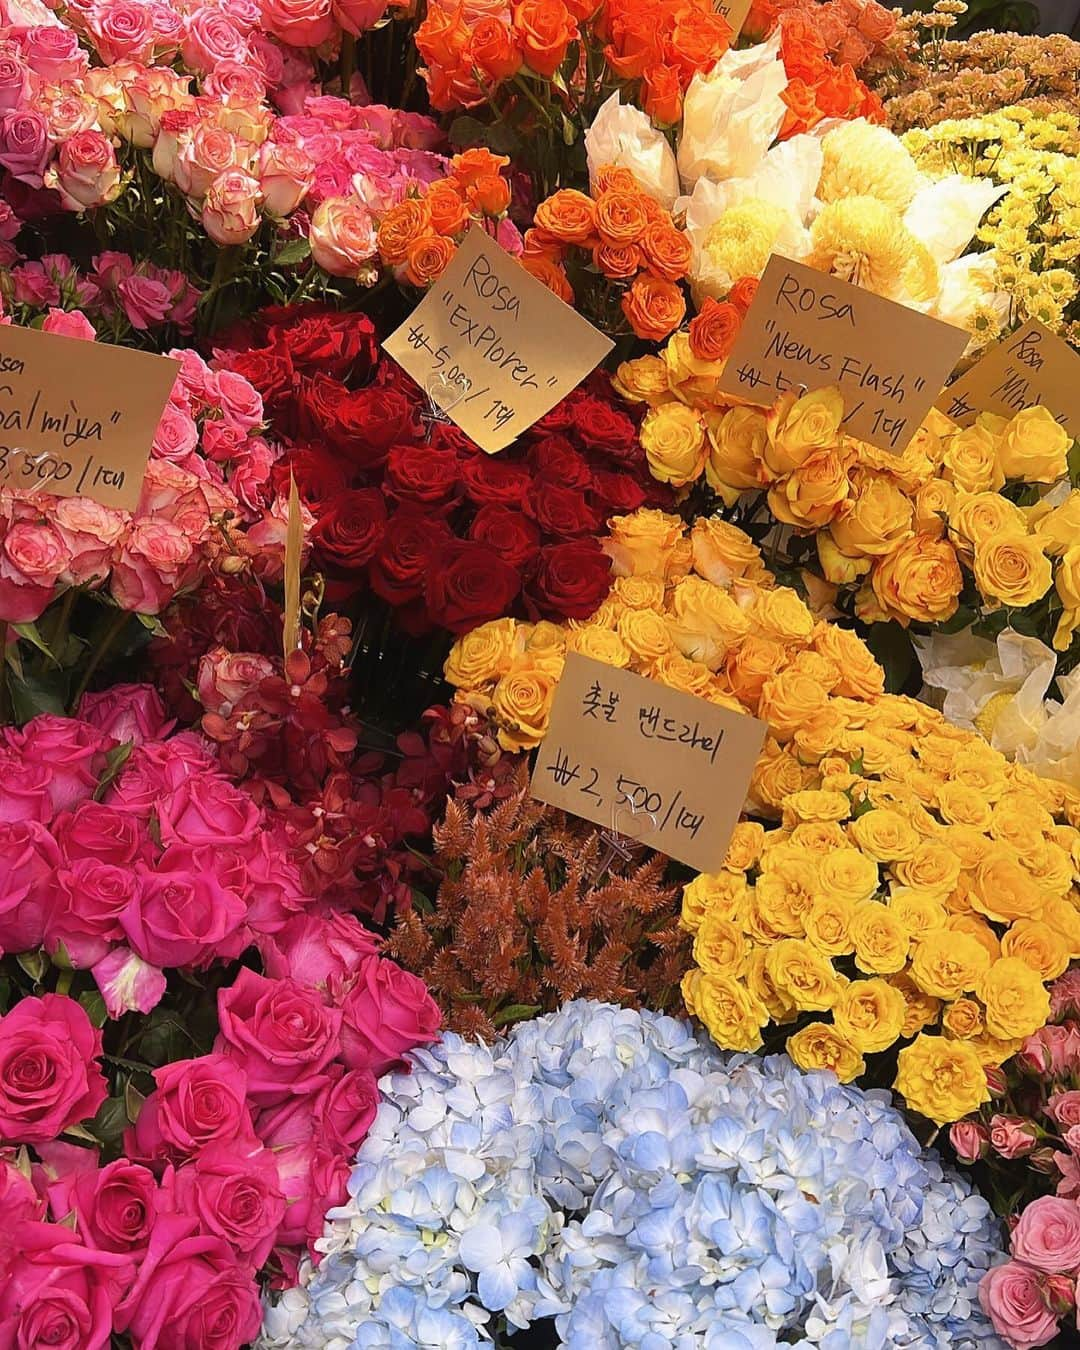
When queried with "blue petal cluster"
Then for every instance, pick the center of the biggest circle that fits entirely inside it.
(608, 1169)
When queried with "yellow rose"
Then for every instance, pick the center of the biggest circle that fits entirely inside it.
(782, 614)
(736, 452)
(819, 836)
(645, 633)
(803, 975)
(643, 544)
(705, 621)
(933, 501)
(599, 643)
(922, 1009)
(963, 1019)
(1039, 946)
(777, 775)
(918, 911)
(947, 964)
(877, 521)
(1058, 530)
(1015, 1000)
(1034, 447)
(481, 656)
(673, 438)
(1013, 571)
(881, 941)
(747, 842)
(961, 805)
(546, 638)
(982, 517)
(786, 888)
(723, 553)
(1067, 585)
(850, 875)
(837, 567)
(754, 661)
(884, 835)
(827, 922)
(720, 947)
(732, 1016)
(820, 1046)
(521, 704)
(799, 426)
(643, 381)
(788, 700)
(994, 1050)
(1064, 917)
(933, 868)
(814, 493)
(860, 675)
(677, 672)
(639, 592)
(869, 1014)
(761, 987)
(821, 733)
(941, 1079)
(724, 894)
(921, 580)
(815, 805)
(1003, 890)
(971, 460)
(977, 928)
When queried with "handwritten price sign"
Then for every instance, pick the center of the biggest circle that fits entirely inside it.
(1031, 366)
(493, 347)
(805, 330)
(660, 766)
(78, 418)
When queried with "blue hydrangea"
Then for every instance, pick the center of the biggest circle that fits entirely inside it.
(610, 1170)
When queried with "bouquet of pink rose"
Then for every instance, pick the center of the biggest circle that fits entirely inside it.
(173, 1124)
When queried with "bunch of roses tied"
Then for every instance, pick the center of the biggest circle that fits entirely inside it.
(896, 874)
(174, 1123)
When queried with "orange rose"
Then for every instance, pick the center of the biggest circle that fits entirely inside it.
(802, 109)
(636, 45)
(568, 216)
(663, 94)
(667, 249)
(700, 38)
(541, 242)
(550, 273)
(472, 165)
(655, 307)
(545, 29)
(489, 195)
(714, 329)
(493, 50)
(620, 217)
(614, 178)
(742, 293)
(427, 258)
(445, 207)
(402, 224)
(443, 40)
(618, 261)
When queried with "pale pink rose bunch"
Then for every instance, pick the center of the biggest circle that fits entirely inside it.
(1027, 1297)
(115, 292)
(205, 497)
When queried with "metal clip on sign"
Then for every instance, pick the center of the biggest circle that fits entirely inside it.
(622, 843)
(438, 411)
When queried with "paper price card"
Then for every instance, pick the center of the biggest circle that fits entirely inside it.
(805, 330)
(1031, 366)
(662, 767)
(735, 11)
(78, 418)
(492, 346)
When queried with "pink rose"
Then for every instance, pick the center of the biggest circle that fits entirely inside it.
(211, 37)
(57, 1292)
(14, 82)
(1065, 995)
(176, 435)
(145, 300)
(1064, 1108)
(235, 82)
(345, 1110)
(53, 52)
(101, 831)
(314, 1179)
(230, 212)
(387, 1012)
(234, 1191)
(342, 237)
(30, 857)
(321, 951)
(280, 1033)
(176, 128)
(222, 441)
(208, 810)
(19, 1201)
(970, 1140)
(180, 918)
(115, 1206)
(1012, 1136)
(73, 752)
(1047, 1235)
(1053, 1050)
(196, 1102)
(31, 559)
(291, 1121)
(357, 16)
(89, 530)
(1011, 1296)
(90, 897)
(285, 174)
(190, 1293)
(34, 286)
(225, 677)
(158, 769)
(123, 30)
(71, 323)
(127, 713)
(151, 566)
(87, 173)
(275, 891)
(49, 1074)
(240, 402)
(24, 789)
(24, 146)
(127, 983)
(298, 23)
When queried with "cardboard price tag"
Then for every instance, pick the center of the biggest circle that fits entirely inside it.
(77, 418)
(1031, 366)
(805, 330)
(735, 11)
(492, 346)
(663, 767)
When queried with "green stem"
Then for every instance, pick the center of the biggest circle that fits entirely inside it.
(116, 623)
(63, 983)
(59, 629)
(348, 63)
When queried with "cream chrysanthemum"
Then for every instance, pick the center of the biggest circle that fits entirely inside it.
(863, 160)
(861, 240)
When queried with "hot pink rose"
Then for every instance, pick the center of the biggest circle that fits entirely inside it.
(344, 1110)
(73, 752)
(127, 712)
(299, 23)
(208, 810)
(32, 557)
(151, 566)
(1011, 1296)
(127, 983)
(1047, 1235)
(321, 951)
(57, 1292)
(98, 830)
(176, 435)
(234, 1191)
(970, 1140)
(19, 1201)
(53, 52)
(24, 145)
(196, 1102)
(342, 236)
(291, 1121)
(71, 323)
(240, 402)
(14, 82)
(158, 769)
(275, 891)
(190, 1293)
(115, 1206)
(1012, 1136)
(146, 301)
(30, 857)
(230, 212)
(280, 1033)
(180, 918)
(387, 1012)
(24, 789)
(87, 173)
(49, 1074)
(85, 919)
(314, 1179)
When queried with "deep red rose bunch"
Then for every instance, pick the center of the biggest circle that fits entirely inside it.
(409, 509)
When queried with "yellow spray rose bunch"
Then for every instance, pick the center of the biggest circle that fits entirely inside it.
(895, 879)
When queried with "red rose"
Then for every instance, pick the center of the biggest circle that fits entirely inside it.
(400, 566)
(362, 425)
(319, 476)
(233, 1189)
(570, 582)
(387, 1012)
(555, 459)
(340, 345)
(271, 372)
(467, 584)
(350, 530)
(599, 425)
(513, 536)
(419, 474)
(50, 1077)
(617, 493)
(495, 481)
(195, 1102)
(450, 437)
(563, 512)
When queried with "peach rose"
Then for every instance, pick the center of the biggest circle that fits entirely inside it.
(342, 235)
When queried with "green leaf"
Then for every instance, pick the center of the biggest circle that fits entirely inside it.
(466, 132)
(115, 760)
(891, 644)
(153, 625)
(111, 1121)
(60, 958)
(94, 1006)
(33, 963)
(1073, 462)
(31, 695)
(29, 633)
(77, 1132)
(133, 1101)
(516, 1012)
(296, 250)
